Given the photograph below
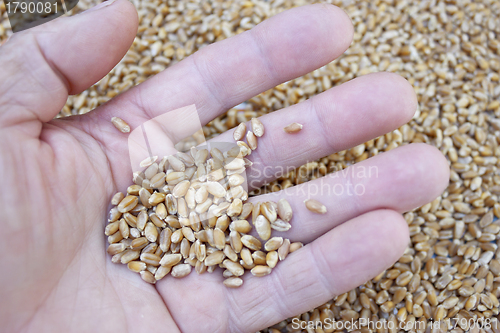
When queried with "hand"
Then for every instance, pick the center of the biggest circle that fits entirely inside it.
(58, 175)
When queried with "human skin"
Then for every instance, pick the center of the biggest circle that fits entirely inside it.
(58, 175)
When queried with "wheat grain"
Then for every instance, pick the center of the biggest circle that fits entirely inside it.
(120, 124)
(261, 270)
(293, 128)
(252, 141)
(273, 244)
(263, 227)
(214, 258)
(285, 210)
(257, 127)
(180, 270)
(233, 282)
(239, 132)
(272, 259)
(295, 246)
(127, 204)
(251, 242)
(315, 206)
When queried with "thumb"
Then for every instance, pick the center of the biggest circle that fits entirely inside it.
(42, 65)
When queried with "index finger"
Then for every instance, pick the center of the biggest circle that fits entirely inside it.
(229, 72)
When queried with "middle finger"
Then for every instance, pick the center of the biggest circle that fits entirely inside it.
(400, 179)
(340, 118)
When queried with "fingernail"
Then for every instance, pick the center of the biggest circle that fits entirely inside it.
(101, 5)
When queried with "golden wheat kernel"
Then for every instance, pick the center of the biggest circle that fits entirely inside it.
(252, 140)
(273, 244)
(117, 198)
(295, 246)
(261, 270)
(128, 203)
(293, 128)
(241, 226)
(176, 164)
(257, 127)
(280, 225)
(181, 270)
(233, 282)
(214, 258)
(136, 266)
(161, 272)
(315, 206)
(259, 257)
(148, 161)
(285, 210)
(116, 248)
(272, 259)
(111, 228)
(263, 227)
(120, 124)
(235, 268)
(239, 132)
(148, 277)
(114, 214)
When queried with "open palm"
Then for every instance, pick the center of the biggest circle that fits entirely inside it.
(58, 175)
